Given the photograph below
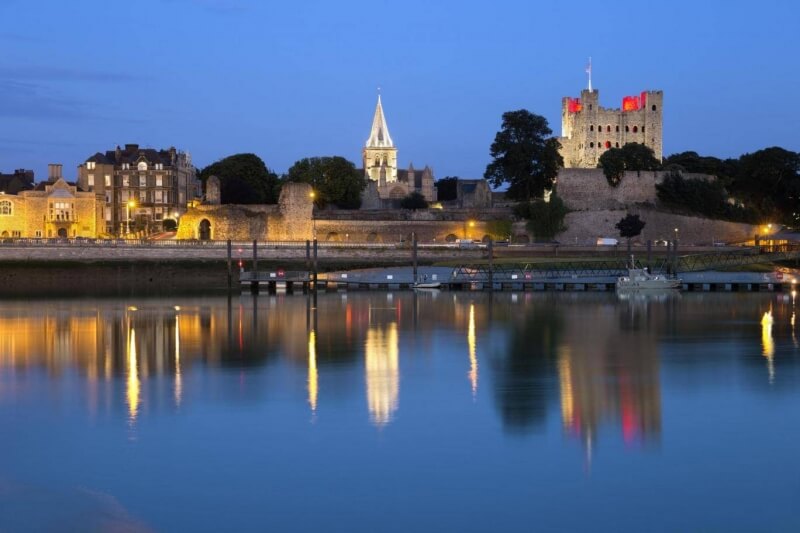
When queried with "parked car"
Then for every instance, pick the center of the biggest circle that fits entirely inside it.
(607, 241)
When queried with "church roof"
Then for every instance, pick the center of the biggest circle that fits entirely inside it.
(379, 136)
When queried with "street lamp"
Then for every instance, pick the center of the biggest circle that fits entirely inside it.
(471, 224)
(313, 195)
(676, 234)
(130, 205)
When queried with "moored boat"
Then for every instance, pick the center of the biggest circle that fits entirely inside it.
(642, 279)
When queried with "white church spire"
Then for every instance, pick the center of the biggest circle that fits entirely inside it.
(379, 136)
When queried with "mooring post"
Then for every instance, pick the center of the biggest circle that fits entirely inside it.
(649, 251)
(254, 283)
(675, 257)
(414, 254)
(230, 267)
(490, 247)
(668, 262)
(314, 268)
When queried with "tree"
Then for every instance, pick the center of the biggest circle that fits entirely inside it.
(630, 226)
(414, 200)
(447, 188)
(613, 164)
(244, 179)
(545, 219)
(769, 180)
(639, 157)
(335, 180)
(525, 156)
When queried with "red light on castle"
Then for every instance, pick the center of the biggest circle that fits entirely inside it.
(574, 105)
(631, 103)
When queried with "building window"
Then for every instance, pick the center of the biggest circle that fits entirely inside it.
(616, 145)
(591, 127)
(142, 166)
(143, 197)
(90, 180)
(90, 164)
(591, 145)
(157, 197)
(159, 180)
(37, 234)
(6, 207)
(626, 129)
(635, 129)
(108, 180)
(590, 107)
(16, 233)
(608, 129)
(642, 129)
(125, 181)
(608, 144)
(617, 128)
(654, 107)
(142, 181)
(126, 166)
(159, 166)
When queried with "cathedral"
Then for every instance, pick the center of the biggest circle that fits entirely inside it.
(386, 185)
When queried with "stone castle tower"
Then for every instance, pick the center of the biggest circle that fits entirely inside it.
(380, 154)
(588, 130)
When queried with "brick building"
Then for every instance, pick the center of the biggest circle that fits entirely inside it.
(142, 188)
(52, 209)
(19, 180)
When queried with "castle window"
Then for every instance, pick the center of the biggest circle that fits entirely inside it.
(90, 165)
(642, 129)
(608, 144)
(6, 207)
(142, 166)
(590, 107)
(635, 129)
(616, 145)
(617, 128)
(608, 128)
(591, 145)
(591, 128)
(654, 107)
(626, 129)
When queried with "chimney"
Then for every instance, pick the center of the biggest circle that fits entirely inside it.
(54, 172)
(131, 147)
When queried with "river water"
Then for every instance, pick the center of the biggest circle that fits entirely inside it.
(449, 411)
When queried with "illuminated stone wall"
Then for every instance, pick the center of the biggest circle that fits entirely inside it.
(588, 129)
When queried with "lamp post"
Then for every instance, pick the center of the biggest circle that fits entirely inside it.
(130, 205)
(676, 234)
(313, 195)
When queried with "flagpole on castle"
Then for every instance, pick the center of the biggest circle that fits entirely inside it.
(589, 72)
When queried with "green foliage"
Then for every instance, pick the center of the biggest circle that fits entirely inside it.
(500, 230)
(525, 156)
(632, 156)
(447, 188)
(414, 200)
(613, 164)
(630, 226)
(244, 179)
(769, 181)
(335, 180)
(545, 219)
(702, 197)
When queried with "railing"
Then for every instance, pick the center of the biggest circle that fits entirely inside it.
(276, 275)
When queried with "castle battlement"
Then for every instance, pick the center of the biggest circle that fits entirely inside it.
(588, 129)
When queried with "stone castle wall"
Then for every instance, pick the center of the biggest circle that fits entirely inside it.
(584, 189)
(585, 227)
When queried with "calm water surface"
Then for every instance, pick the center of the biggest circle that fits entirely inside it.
(401, 412)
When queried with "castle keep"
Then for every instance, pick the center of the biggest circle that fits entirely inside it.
(588, 130)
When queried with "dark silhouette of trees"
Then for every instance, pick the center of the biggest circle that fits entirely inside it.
(244, 179)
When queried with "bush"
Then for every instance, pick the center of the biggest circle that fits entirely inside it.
(545, 219)
(701, 197)
(414, 200)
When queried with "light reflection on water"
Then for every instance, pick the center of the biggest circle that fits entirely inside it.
(615, 375)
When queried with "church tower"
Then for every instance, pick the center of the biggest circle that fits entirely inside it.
(380, 154)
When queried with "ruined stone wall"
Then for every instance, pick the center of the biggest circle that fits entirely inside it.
(234, 222)
(587, 188)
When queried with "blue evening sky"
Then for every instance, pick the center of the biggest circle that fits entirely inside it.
(287, 80)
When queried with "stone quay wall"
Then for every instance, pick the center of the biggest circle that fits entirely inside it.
(585, 227)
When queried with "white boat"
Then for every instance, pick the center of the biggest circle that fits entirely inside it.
(428, 285)
(641, 279)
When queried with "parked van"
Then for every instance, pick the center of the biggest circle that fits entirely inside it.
(607, 241)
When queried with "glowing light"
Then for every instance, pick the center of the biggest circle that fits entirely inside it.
(631, 103)
(382, 373)
(471, 344)
(574, 105)
(565, 385)
(178, 377)
(768, 343)
(313, 386)
(133, 392)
